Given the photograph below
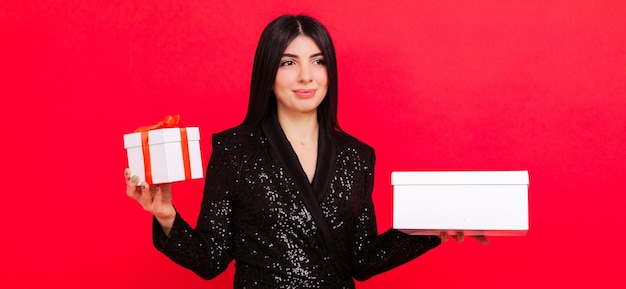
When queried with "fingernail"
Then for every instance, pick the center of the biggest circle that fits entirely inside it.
(143, 186)
(126, 172)
(133, 179)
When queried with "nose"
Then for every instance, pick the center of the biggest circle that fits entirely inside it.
(306, 75)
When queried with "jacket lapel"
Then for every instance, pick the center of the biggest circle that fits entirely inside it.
(326, 155)
(326, 158)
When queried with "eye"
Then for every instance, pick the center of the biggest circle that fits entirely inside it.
(287, 63)
(319, 62)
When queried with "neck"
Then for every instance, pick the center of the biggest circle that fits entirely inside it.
(302, 129)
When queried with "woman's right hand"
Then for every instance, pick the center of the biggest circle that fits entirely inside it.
(459, 236)
(157, 200)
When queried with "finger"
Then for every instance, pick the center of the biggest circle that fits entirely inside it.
(459, 236)
(127, 174)
(166, 187)
(482, 239)
(157, 201)
(153, 190)
(146, 197)
(131, 188)
(166, 191)
(444, 236)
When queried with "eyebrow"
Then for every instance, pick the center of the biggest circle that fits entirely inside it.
(296, 56)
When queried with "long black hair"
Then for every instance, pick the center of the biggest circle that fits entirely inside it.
(272, 44)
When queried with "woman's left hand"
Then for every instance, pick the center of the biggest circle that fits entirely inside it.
(460, 236)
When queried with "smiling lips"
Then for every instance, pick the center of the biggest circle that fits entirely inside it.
(305, 92)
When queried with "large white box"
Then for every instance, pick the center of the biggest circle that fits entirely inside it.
(490, 203)
(167, 155)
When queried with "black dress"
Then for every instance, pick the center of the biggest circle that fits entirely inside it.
(254, 211)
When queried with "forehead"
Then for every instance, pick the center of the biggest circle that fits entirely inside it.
(302, 45)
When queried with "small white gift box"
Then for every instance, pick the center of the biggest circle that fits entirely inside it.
(164, 155)
(487, 203)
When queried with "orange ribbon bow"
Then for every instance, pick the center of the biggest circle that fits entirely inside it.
(167, 122)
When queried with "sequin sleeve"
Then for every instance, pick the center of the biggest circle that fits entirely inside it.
(208, 249)
(374, 254)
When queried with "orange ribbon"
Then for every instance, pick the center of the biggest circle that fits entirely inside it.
(167, 122)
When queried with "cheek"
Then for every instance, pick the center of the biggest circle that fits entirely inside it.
(322, 77)
(283, 80)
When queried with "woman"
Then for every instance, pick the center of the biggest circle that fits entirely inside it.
(287, 192)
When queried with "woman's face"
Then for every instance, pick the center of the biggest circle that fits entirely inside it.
(301, 80)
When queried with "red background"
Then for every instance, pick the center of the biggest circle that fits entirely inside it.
(432, 85)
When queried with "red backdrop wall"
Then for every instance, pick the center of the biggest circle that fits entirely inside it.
(432, 85)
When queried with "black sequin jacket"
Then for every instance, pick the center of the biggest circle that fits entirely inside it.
(253, 212)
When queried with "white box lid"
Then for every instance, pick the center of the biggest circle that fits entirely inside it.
(399, 178)
(163, 135)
